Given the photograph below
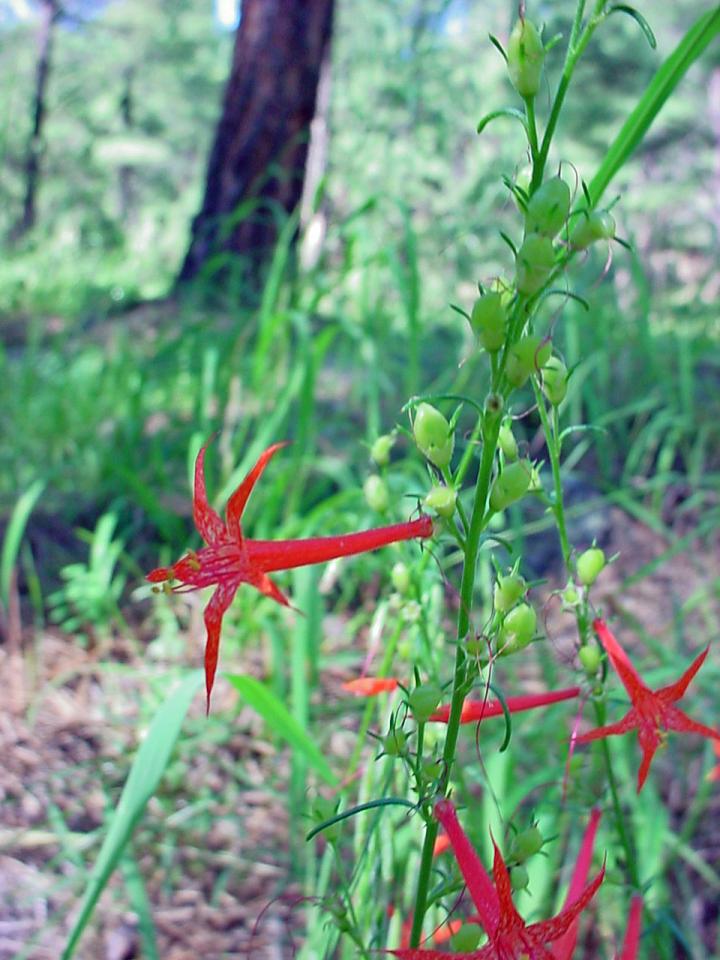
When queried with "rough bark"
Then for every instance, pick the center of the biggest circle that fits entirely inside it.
(49, 13)
(257, 161)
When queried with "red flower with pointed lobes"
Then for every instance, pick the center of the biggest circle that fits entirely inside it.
(475, 710)
(230, 559)
(653, 712)
(509, 937)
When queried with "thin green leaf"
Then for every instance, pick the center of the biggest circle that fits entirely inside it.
(140, 903)
(511, 113)
(661, 87)
(145, 774)
(498, 46)
(370, 805)
(457, 309)
(14, 535)
(281, 721)
(639, 19)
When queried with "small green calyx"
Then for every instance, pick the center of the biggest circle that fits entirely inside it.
(376, 493)
(442, 500)
(433, 436)
(423, 701)
(555, 380)
(526, 844)
(594, 226)
(380, 450)
(589, 657)
(525, 357)
(534, 263)
(507, 442)
(548, 208)
(466, 939)
(519, 877)
(511, 484)
(489, 320)
(589, 565)
(394, 743)
(400, 576)
(508, 590)
(525, 56)
(517, 630)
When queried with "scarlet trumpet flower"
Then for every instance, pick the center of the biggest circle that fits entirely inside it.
(230, 559)
(370, 686)
(652, 712)
(509, 937)
(475, 710)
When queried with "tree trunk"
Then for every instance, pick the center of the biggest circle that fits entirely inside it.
(49, 13)
(257, 161)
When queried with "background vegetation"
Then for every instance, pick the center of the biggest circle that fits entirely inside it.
(108, 386)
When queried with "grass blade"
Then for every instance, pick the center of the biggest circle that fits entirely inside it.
(14, 535)
(281, 721)
(661, 87)
(145, 773)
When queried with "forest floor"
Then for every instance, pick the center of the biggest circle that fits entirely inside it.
(216, 871)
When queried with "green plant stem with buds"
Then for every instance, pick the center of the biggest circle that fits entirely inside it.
(478, 522)
(579, 39)
(553, 444)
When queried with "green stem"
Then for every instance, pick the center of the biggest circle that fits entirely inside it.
(553, 447)
(622, 832)
(579, 39)
(532, 129)
(478, 521)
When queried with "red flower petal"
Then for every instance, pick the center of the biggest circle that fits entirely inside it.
(370, 686)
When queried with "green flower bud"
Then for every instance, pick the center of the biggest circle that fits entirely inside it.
(525, 55)
(535, 481)
(517, 630)
(589, 565)
(508, 591)
(597, 225)
(526, 356)
(442, 500)
(380, 450)
(423, 700)
(548, 208)
(555, 380)
(432, 435)
(507, 442)
(466, 939)
(394, 743)
(526, 844)
(376, 493)
(510, 485)
(570, 595)
(488, 320)
(519, 877)
(589, 657)
(324, 809)
(534, 263)
(400, 576)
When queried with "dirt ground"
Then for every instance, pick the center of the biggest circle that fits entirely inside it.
(220, 892)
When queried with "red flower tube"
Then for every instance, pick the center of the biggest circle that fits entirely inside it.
(475, 710)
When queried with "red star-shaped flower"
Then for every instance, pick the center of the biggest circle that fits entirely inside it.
(653, 711)
(509, 937)
(230, 559)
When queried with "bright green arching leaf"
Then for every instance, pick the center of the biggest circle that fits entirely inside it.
(509, 113)
(14, 535)
(661, 87)
(145, 774)
(280, 721)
